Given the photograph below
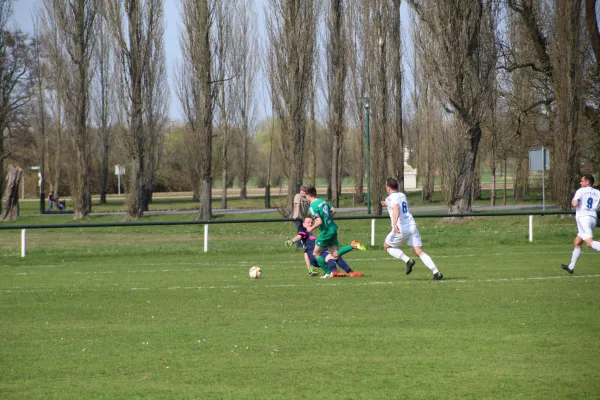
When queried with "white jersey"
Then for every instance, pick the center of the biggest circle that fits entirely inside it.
(589, 202)
(405, 218)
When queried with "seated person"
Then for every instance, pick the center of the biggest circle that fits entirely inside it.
(61, 204)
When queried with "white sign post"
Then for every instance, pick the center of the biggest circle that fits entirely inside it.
(539, 160)
(119, 170)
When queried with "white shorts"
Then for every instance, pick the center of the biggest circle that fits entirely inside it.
(410, 234)
(585, 227)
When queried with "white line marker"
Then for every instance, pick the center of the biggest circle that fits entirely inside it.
(293, 285)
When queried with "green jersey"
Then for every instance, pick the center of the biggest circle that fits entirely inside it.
(322, 209)
(328, 229)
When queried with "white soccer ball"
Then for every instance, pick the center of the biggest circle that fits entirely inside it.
(255, 272)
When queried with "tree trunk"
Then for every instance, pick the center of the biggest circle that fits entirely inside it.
(297, 158)
(82, 190)
(205, 195)
(460, 200)
(224, 179)
(569, 103)
(11, 201)
(477, 182)
(313, 138)
(380, 167)
(398, 96)
(135, 192)
(505, 185)
(337, 95)
(244, 175)
(104, 174)
(135, 188)
(59, 144)
(428, 180)
(2, 183)
(493, 176)
(520, 182)
(268, 184)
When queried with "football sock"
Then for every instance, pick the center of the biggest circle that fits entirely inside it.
(397, 253)
(574, 257)
(343, 265)
(428, 263)
(345, 249)
(331, 265)
(596, 245)
(323, 265)
(312, 259)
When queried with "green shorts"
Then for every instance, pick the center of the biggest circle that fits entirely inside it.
(328, 238)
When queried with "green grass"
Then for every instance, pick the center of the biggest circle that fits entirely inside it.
(144, 313)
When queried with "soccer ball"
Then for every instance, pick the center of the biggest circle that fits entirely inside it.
(255, 272)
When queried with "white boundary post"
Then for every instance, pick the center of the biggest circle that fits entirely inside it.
(373, 232)
(531, 228)
(23, 241)
(205, 238)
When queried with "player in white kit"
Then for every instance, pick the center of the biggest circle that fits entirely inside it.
(586, 202)
(404, 228)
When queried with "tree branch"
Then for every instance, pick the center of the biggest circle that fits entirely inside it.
(513, 67)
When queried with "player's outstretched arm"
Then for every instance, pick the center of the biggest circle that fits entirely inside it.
(289, 243)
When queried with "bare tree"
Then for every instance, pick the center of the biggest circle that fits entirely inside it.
(225, 65)
(397, 98)
(358, 87)
(15, 87)
(311, 171)
(291, 31)
(38, 77)
(76, 22)
(156, 99)
(493, 139)
(105, 99)
(380, 166)
(592, 106)
(196, 93)
(426, 121)
(11, 203)
(337, 84)
(55, 62)
(459, 58)
(569, 99)
(312, 129)
(527, 99)
(247, 67)
(558, 56)
(135, 25)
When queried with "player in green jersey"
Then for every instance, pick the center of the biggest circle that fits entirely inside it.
(322, 212)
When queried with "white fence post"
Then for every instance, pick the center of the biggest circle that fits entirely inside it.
(23, 241)
(205, 238)
(531, 228)
(373, 232)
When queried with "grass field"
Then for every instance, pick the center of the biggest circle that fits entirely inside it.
(144, 313)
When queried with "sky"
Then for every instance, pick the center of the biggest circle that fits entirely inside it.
(23, 11)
